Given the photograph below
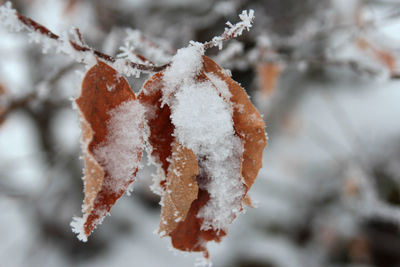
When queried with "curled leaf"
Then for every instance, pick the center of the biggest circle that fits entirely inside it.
(112, 139)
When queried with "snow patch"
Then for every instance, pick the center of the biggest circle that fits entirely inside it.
(77, 227)
(120, 153)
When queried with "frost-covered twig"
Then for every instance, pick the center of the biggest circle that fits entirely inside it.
(135, 41)
(233, 31)
(38, 33)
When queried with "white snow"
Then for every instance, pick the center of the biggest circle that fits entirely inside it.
(77, 227)
(119, 155)
(202, 116)
(185, 66)
(8, 17)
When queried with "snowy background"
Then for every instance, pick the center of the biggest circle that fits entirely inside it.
(329, 190)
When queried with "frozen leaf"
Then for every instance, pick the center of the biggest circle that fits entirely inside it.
(248, 124)
(210, 119)
(113, 132)
(181, 188)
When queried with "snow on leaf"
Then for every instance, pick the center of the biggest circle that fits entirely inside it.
(181, 188)
(248, 124)
(195, 107)
(113, 133)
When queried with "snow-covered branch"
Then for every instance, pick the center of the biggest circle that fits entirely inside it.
(80, 52)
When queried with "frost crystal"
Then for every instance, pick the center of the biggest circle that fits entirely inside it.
(234, 30)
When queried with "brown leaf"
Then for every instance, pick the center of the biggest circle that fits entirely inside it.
(248, 124)
(185, 233)
(103, 90)
(188, 235)
(181, 188)
(159, 121)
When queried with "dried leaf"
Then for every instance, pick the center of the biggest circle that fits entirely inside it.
(103, 92)
(248, 124)
(188, 235)
(162, 142)
(181, 188)
(180, 168)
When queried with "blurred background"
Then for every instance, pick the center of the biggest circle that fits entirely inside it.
(325, 76)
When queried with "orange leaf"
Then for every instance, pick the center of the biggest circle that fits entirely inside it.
(105, 100)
